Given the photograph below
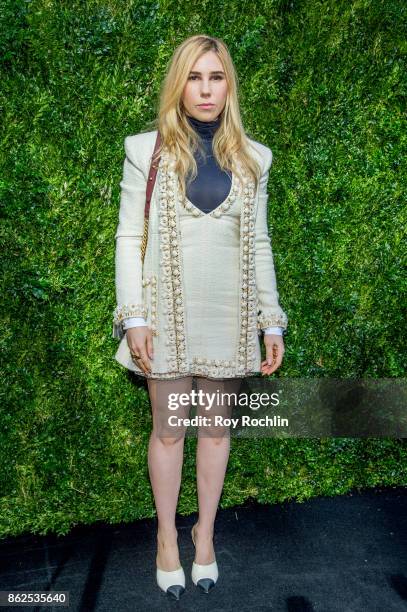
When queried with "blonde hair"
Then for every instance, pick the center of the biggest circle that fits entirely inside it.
(230, 143)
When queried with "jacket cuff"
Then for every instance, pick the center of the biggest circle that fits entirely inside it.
(269, 318)
(125, 311)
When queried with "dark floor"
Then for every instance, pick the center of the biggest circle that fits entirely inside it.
(342, 554)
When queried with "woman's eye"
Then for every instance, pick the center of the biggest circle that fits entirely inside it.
(216, 76)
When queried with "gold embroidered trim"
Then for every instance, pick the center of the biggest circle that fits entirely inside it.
(151, 281)
(129, 310)
(270, 320)
(212, 374)
(248, 314)
(216, 368)
(172, 271)
(216, 362)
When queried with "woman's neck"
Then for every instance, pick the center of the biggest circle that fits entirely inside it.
(206, 129)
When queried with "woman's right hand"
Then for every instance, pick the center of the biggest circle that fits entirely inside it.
(140, 341)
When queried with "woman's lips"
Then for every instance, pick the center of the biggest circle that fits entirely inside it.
(205, 105)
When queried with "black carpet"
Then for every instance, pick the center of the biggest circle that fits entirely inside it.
(341, 554)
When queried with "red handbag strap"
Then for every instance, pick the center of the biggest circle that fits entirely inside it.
(152, 175)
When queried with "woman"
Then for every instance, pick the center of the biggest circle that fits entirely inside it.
(193, 311)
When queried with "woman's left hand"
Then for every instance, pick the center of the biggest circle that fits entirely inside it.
(274, 353)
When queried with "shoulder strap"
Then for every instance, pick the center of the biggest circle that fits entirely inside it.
(152, 175)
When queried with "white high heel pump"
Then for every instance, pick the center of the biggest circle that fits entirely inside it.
(204, 576)
(173, 583)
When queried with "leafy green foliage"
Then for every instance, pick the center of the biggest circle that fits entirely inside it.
(323, 85)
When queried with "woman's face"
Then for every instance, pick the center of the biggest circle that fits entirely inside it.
(206, 85)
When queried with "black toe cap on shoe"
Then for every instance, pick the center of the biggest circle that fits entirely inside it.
(175, 590)
(206, 584)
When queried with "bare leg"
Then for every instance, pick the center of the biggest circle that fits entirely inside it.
(165, 459)
(211, 461)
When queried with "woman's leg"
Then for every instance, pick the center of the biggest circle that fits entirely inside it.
(211, 459)
(165, 458)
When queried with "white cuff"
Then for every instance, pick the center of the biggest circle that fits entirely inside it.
(278, 331)
(133, 322)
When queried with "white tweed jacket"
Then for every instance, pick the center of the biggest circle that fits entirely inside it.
(154, 289)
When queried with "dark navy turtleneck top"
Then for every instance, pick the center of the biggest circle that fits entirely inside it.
(211, 185)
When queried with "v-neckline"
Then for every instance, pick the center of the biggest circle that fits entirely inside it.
(216, 212)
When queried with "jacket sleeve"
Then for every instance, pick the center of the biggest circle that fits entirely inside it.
(269, 312)
(129, 234)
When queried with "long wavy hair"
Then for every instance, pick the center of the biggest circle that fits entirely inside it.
(231, 145)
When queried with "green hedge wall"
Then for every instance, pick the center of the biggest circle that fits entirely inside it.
(322, 83)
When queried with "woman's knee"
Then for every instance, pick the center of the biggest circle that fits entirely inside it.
(216, 434)
(169, 439)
